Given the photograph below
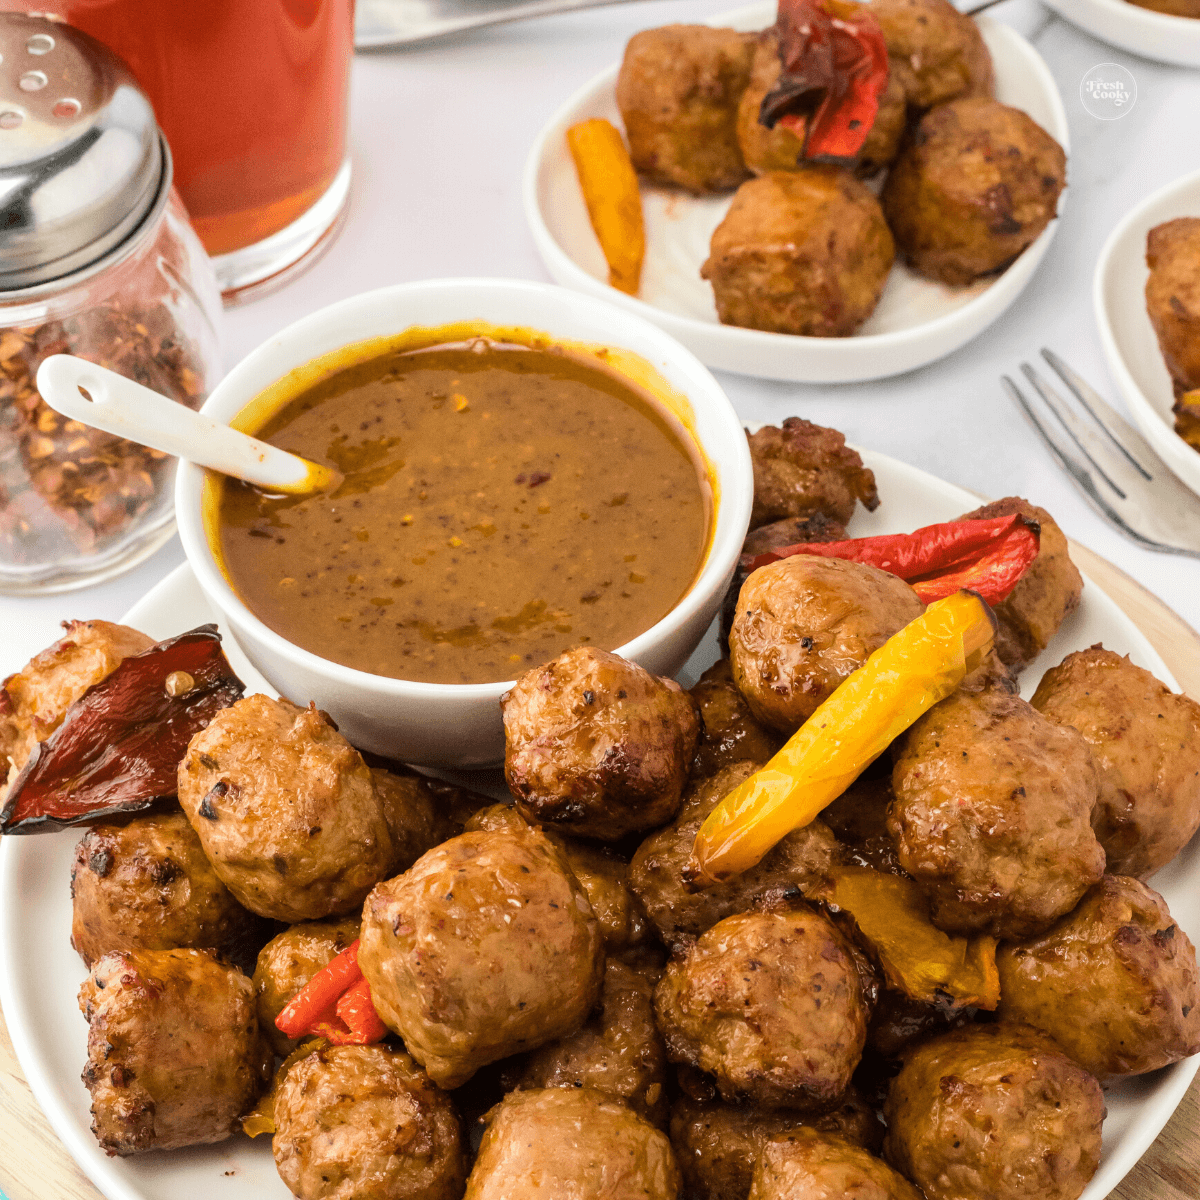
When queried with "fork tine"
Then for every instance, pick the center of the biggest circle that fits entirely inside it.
(1094, 448)
(1106, 416)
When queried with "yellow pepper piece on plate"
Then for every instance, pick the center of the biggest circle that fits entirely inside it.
(614, 203)
(904, 678)
(918, 959)
(261, 1118)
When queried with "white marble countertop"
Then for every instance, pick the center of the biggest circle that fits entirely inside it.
(439, 136)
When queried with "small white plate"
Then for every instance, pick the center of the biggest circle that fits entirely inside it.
(1138, 30)
(917, 320)
(40, 973)
(1129, 341)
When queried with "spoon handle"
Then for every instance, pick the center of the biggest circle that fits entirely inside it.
(129, 410)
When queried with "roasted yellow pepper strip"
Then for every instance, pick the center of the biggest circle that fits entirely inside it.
(892, 915)
(904, 678)
(261, 1118)
(614, 203)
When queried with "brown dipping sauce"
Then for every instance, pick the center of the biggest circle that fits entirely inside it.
(500, 503)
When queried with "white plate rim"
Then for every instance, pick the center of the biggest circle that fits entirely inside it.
(104, 1172)
(721, 346)
(1155, 35)
(1153, 210)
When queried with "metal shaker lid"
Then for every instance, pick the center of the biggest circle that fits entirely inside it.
(81, 160)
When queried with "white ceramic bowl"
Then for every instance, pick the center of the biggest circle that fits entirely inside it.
(916, 321)
(458, 725)
(1129, 341)
(1138, 30)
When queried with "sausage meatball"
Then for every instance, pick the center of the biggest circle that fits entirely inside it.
(415, 819)
(174, 1056)
(146, 885)
(809, 1165)
(804, 252)
(486, 947)
(1173, 302)
(603, 876)
(803, 624)
(992, 815)
(596, 746)
(1172, 8)
(618, 1052)
(1146, 743)
(1114, 982)
(365, 1123)
(997, 1111)
(718, 1144)
(286, 810)
(1045, 595)
(806, 470)
(976, 184)
(678, 92)
(728, 731)
(898, 1021)
(772, 1004)
(286, 964)
(790, 530)
(34, 701)
(935, 52)
(858, 819)
(797, 864)
(571, 1142)
(780, 149)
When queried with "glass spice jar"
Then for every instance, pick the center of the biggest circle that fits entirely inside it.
(97, 259)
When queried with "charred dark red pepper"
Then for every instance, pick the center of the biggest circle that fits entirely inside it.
(988, 556)
(119, 748)
(835, 68)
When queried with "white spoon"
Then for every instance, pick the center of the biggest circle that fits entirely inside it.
(129, 410)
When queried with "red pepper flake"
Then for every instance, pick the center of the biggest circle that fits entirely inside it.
(835, 68)
(120, 744)
(986, 556)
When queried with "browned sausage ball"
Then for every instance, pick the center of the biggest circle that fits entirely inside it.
(936, 52)
(286, 810)
(858, 819)
(803, 624)
(1172, 8)
(806, 1164)
(571, 1144)
(1114, 982)
(804, 252)
(772, 1004)
(976, 184)
(728, 731)
(1146, 743)
(415, 817)
(718, 1144)
(1173, 297)
(618, 1052)
(596, 746)
(997, 1111)
(678, 93)
(1045, 595)
(603, 876)
(797, 864)
(287, 962)
(365, 1123)
(992, 815)
(174, 1056)
(802, 470)
(486, 947)
(899, 1021)
(790, 530)
(780, 149)
(146, 885)
(37, 697)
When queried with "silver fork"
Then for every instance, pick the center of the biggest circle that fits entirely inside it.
(1111, 463)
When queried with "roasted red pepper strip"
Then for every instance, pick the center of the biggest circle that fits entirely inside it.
(120, 744)
(335, 1004)
(988, 556)
(834, 70)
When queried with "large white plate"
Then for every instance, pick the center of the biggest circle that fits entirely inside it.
(1129, 341)
(1138, 30)
(40, 973)
(916, 321)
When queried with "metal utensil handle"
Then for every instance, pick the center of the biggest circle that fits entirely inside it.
(120, 406)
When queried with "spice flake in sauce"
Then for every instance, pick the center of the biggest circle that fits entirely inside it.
(500, 503)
